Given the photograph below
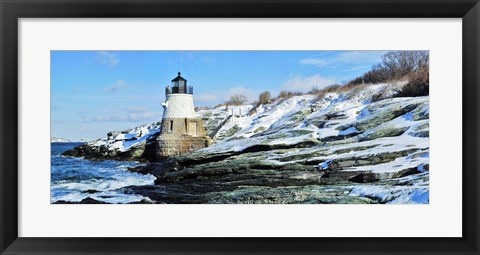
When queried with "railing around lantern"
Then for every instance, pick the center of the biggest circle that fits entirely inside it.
(189, 90)
(179, 90)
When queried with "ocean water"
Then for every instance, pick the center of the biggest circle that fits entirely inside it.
(72, 177)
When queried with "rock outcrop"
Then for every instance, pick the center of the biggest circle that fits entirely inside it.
(343, 148)
(129, 145)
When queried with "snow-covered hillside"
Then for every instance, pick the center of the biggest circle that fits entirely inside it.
(373, 146)
(357, 146)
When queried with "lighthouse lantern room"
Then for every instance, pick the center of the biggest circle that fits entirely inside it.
(181, 130)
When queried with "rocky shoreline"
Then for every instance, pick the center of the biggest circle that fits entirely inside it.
(244, 178)
(130, 145)
(342, 149)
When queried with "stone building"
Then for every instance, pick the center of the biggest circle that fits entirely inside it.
(181, 130)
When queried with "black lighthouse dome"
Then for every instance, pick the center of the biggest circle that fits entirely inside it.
(179, 86)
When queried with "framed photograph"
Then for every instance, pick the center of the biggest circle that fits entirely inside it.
(226, 127)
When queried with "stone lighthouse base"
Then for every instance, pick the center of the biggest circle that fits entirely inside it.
(181, 135)
(174, 145)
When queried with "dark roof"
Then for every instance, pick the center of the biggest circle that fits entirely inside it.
(179, 78)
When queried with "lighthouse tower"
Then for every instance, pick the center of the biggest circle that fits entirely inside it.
(179, 102)
(181, 130)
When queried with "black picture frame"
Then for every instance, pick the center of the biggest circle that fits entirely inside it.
(12, 10)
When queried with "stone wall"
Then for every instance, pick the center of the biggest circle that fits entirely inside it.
(183, 126)
(175, 145)
(181, 135)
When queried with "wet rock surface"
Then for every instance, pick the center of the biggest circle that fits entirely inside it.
(87, 200)
(346, 149)
(129, 145)
(249, 178)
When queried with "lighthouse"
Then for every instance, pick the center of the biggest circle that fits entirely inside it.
(181, 130)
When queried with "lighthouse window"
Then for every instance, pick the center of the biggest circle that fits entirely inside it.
(193, 128)
(171, 125)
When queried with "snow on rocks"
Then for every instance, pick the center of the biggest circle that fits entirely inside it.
(398, 194)
(123, 141)
(324, 165)
(376, 146)
(342, 133)
(126, 145)
(59, 140)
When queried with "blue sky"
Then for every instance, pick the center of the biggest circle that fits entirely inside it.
(94, 92)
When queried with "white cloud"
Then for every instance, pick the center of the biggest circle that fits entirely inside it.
(355, 68)
(249, 93)
(85, 129)
(348, 57)
(304, 84)
(217, 97)
(107, 58)
(116, 86)
(314, 61)
(136, 109)
(206, 97)
(359, 56)
(131, 114)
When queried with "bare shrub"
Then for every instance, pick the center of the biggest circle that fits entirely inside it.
(285, 94)
(401, 63)
(418, 84)
(199, 108)
(218, 105)
(395, 65)
(332, 88)
(320, 94)
(237, 99)
(288, 94)
(381, 95)
(314, 90)
(264, 98)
